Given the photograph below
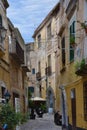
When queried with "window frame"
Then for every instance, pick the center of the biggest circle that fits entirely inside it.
(39, 40)
(0, 21)
(49, 31)
(71, 33)
(33, 70)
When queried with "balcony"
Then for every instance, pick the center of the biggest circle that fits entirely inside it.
(17, 52)
(2, 50)
(70, 8)
(81, 68)
(62, 24)
(38, 76)
(25, 68)
(48, 71)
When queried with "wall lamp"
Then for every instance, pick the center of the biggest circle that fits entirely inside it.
(7, 96)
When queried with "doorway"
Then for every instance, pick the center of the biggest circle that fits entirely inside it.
(73, 108)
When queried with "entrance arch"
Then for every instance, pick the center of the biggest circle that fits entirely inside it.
(50, 99)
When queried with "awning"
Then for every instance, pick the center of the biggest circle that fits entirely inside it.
(38, 99)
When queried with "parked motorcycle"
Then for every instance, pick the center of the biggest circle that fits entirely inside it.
(39, 112)
(57, 118)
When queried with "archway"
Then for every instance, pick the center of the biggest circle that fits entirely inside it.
(50, 100)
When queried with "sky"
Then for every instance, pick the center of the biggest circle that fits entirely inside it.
(27, 15)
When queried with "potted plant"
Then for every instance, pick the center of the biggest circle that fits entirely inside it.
(9, 117)
(83, 25)
(80, 65)
(72, 40)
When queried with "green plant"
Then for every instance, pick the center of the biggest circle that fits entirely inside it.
(10, 117)
(72, 39)
(77, 65)
(83, 24)
(80, 65)
(43, 107)
(31, 104)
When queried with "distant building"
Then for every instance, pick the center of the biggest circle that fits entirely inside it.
(31, 59)
(45, 47)
(18, 69)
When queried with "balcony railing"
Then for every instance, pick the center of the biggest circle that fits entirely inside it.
(17, 52)
(25, 68)
(70, 8)
(48, 71)
(38, 76)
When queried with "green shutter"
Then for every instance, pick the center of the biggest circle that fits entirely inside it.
(72, 32)
(71, 53)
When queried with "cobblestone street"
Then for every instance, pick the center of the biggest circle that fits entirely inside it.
(45, 123)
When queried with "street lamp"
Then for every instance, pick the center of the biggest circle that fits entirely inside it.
(7, 96)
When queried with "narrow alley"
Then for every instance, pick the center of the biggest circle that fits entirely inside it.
(45, 123)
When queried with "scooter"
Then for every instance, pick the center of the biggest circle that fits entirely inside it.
(39, 112)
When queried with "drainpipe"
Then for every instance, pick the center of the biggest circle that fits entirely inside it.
(64, 108)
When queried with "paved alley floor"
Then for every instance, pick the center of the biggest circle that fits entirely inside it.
(45, 123)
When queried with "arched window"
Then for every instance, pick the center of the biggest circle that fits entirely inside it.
(0, 21)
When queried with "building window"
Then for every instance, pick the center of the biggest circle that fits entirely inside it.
(49, 60)
(49, 68)
(39, 41)
(31, 91)
(85, 100)
(40, 90)
(63, 51)
(33, 71)
(3, 91)
(0, 21)
(39, 66)
(49, 31)
(72, 34)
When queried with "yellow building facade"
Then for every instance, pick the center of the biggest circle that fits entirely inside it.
(18, 69)
(72, 78)
(4, 53)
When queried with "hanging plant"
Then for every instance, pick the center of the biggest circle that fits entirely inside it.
(83, 25)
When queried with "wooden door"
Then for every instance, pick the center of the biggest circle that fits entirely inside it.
(73, 108)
